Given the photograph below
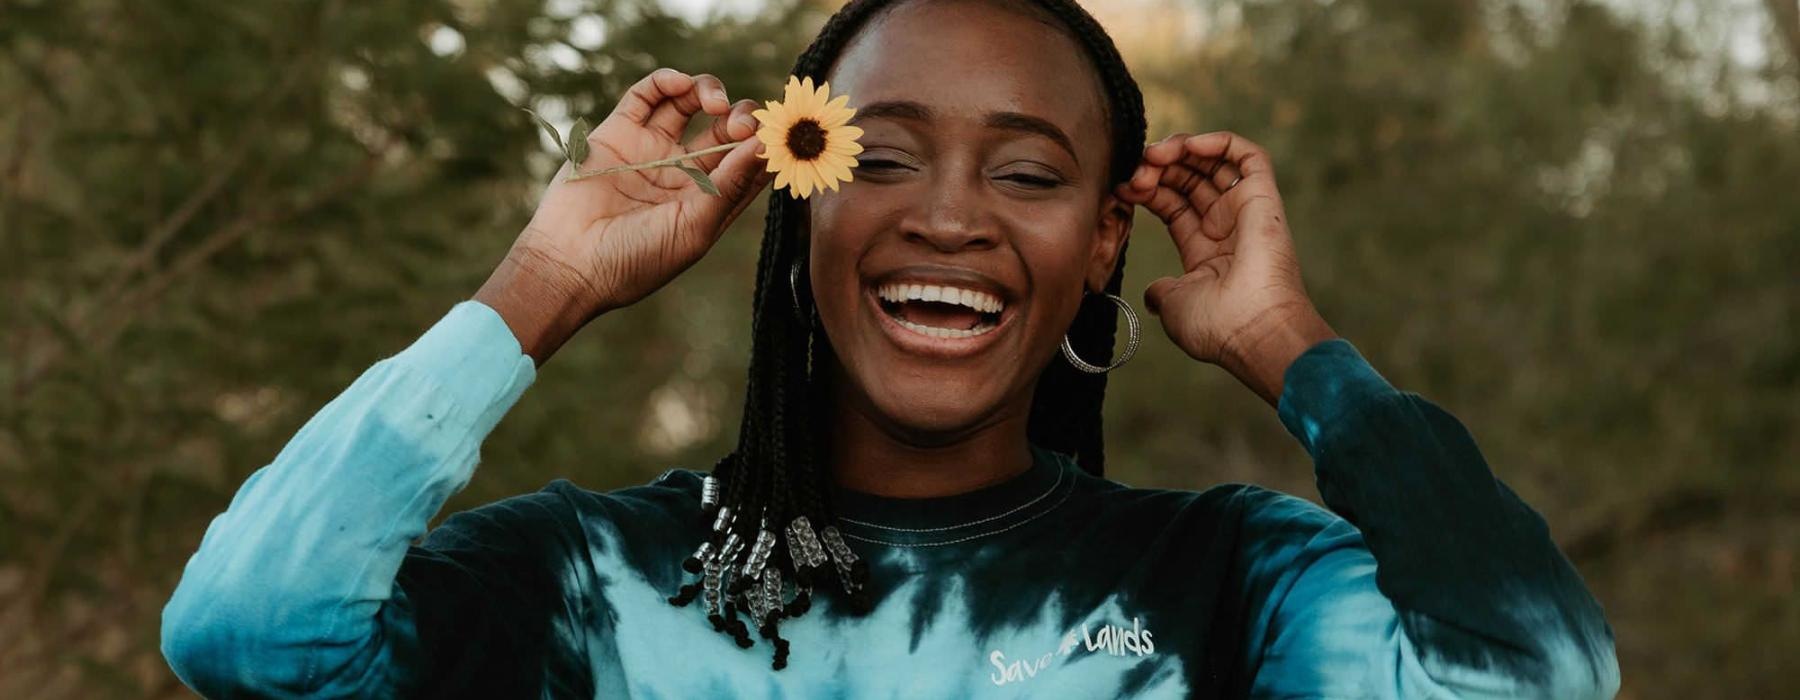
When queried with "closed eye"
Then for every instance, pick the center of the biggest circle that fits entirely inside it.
(1032, 180)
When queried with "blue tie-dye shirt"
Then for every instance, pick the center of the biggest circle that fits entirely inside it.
(1426, 578)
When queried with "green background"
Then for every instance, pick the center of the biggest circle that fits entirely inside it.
(1574, 224)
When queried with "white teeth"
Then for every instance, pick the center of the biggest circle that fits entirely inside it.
(974, 299)
(936, 332)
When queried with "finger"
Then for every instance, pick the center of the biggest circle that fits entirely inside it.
(1157, 292)
(739, 177)
(1194, 182)
(1241, 171)
(1166, 151)
(1124, 192)
(1215, 217)
(1223, 176)
(737, 125)
(1156, 157)
(1185, 227)
(671, 117)
(1174, 208)
(643, 97)
(711, 90)
(1217, 211)
(1131, 191)
(1250, 159)
(1143, 178)
(1221, 219)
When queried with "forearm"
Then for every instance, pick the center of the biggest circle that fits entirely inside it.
(1469, 567)
(285, 594)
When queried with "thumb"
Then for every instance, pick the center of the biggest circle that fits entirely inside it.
(740, 176)
(1157, 291)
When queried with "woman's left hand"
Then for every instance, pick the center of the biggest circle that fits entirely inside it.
(1239, 302)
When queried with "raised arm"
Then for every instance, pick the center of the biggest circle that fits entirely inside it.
(1436, 580)
(305, 586)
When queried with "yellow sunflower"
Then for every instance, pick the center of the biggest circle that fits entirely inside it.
(807, 138)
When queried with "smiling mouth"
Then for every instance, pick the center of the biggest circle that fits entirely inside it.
(941, 311)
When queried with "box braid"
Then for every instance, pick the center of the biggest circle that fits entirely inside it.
(763, 557)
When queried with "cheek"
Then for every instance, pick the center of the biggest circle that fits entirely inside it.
(835, 249)
(1056, 255)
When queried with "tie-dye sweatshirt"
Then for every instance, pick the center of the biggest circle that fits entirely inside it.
(1426, 577)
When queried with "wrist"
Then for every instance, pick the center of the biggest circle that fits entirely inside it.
(542, 304)
(1260, 353)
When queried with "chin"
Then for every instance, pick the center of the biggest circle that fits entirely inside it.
(929, 410)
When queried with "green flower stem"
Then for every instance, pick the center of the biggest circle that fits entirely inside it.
(671, 160)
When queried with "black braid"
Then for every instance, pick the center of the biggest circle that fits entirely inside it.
(778, 470)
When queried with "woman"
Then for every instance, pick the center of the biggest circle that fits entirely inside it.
(914, 508)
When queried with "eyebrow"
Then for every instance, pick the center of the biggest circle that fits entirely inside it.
(907, 110)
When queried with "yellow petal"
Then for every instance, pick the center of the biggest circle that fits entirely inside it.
(772, 137)
(795, 91)
(847, 132)
(840, 160)
(797, 183)
(843, 147)
(834, 113)
(769, 118)
(782, 178)
(837, 171)
(806, 179)
(780, 116)
(835, 120)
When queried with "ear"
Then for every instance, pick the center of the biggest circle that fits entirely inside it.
(1110, 234)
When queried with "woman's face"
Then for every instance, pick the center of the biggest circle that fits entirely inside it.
(946, 274)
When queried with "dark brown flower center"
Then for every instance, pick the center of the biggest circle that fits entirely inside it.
(806, 139)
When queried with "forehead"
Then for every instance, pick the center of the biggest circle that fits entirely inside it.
(965, 58)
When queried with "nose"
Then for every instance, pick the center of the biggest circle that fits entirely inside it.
(951, 218)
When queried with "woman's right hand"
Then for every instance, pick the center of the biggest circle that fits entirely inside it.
(605, 242)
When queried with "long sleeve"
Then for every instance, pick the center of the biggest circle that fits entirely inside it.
(293, 590)
(1436, 581)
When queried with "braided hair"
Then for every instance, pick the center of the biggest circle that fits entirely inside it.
(773, 543)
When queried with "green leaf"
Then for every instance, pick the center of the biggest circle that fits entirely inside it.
(551, 130)
(700, 178)
(578, 147)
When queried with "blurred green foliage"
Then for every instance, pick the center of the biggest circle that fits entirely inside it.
(1573, 224)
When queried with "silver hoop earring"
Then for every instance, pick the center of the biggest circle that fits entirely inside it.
(1131, 342)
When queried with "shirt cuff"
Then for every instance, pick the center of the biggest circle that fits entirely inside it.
(1322, 386)
(474, 357)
